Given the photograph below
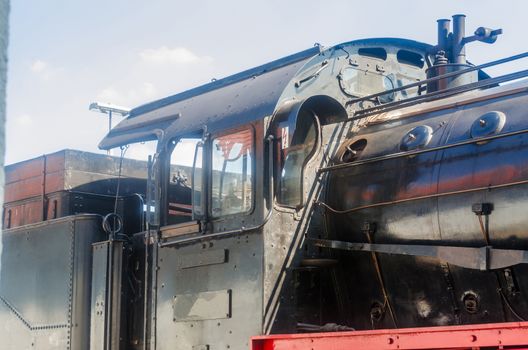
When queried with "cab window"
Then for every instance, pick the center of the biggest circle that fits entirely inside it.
(293, 154)
(179, 191)
(232, 173)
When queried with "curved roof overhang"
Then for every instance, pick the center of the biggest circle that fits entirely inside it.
(238, 99)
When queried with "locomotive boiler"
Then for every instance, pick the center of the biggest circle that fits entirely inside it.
(379, 183)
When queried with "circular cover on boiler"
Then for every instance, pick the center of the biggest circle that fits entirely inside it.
(488, 124)
(416, 138)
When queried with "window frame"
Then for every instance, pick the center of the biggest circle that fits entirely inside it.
(209, 174)
(166, 177)
(278, 168)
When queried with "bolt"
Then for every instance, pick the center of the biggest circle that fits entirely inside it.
(390, 341)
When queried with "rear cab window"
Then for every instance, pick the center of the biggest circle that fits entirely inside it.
(232, 173)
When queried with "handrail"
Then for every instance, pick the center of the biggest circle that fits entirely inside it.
(420, 151)
(439, 77)
(360, 114)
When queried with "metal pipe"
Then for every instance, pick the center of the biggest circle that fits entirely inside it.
(147, 242)
(381, 281)
(458, 49)
(443, 33)
(141, 211)
(405, 200)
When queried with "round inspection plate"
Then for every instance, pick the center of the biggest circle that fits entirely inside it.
(416, 138)
(488, 124)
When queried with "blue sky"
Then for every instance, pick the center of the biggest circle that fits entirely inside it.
(65, 54)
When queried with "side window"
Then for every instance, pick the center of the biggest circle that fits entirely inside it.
(293, 156)
(179, 192)
(232, 173)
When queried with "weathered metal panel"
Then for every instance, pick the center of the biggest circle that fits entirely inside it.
(87, 231)
(99, 290)
(202, 306)
(209, 257)
(46, 269)
(106, 331)
(241, 275)
(69, 182)
(68, 170)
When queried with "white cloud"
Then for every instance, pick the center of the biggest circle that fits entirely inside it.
(129, 96)
(177, 55)
(109, 94)
(38, 66)
(24, 120)
(44, 70)
(149, 90)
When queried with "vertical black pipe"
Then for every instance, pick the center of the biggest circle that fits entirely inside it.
(443, 33)
(458, 54)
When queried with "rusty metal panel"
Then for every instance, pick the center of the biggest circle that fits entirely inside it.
(42, 188)
(22, 213)
(67, 170)
(26, 179)
(26, 169)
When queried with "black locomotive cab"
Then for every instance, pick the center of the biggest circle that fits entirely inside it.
(379, 183)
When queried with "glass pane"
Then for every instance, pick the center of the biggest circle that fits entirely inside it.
(358, 82)
(294, 158)
(180, 180)
(232, 173)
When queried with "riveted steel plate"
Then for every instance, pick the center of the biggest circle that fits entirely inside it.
(202, 306)
(44, 293)
(99, 300)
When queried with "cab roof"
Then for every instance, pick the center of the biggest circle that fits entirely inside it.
(224, 103)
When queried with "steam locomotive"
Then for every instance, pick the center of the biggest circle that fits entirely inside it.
(379, 183)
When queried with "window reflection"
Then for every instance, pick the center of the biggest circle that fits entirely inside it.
(358, 82)
(293, 156)
(232, 173)
(180, 180)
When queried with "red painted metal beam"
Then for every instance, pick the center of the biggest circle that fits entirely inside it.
(497, 335)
